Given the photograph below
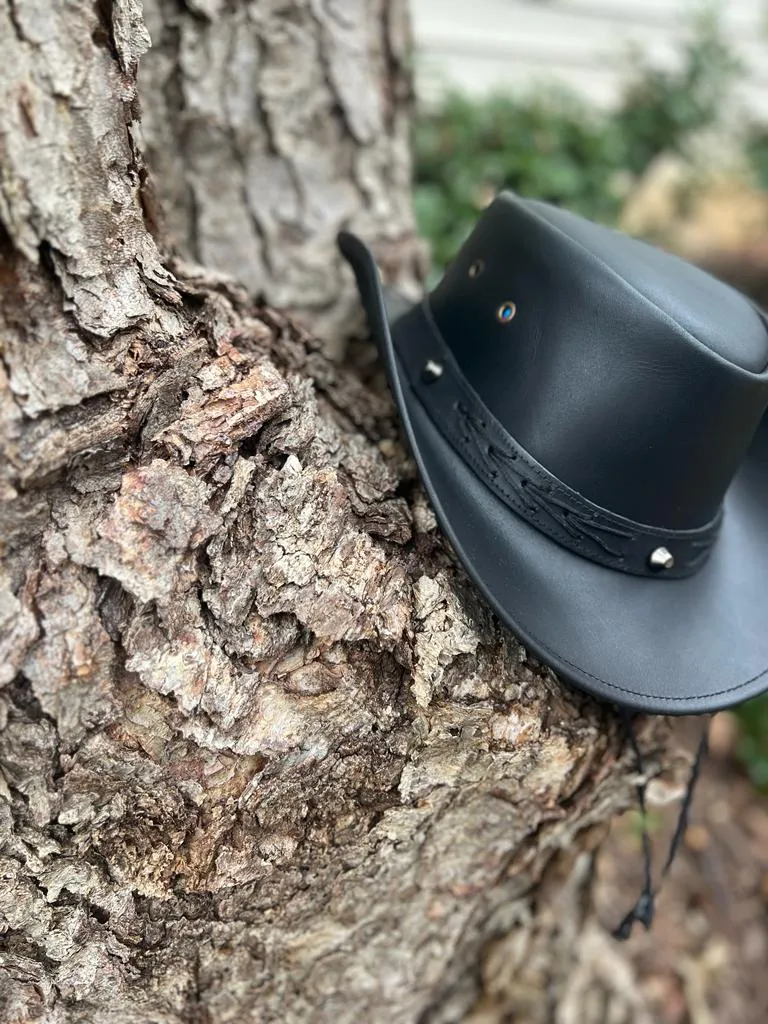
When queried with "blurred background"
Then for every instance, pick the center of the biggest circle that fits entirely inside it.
(652, 116)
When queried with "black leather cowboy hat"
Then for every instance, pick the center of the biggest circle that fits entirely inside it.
(587, 413)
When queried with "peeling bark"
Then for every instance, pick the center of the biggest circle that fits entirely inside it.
(272, 125)
(264, 755)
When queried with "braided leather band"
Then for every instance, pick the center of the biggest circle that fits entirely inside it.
(523, 484)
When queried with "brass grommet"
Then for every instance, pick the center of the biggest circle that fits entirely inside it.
(506, 312)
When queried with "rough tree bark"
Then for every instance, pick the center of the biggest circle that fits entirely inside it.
(268, 126)
(264, 756)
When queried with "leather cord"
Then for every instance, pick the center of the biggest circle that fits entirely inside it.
(644, 909)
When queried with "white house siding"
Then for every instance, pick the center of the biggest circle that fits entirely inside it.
(484, 45)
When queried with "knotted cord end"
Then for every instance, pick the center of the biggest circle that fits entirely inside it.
(642, 911)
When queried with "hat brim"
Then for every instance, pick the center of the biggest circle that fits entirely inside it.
(685, 646)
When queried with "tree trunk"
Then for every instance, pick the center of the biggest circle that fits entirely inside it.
(265, 755)
(268, 127)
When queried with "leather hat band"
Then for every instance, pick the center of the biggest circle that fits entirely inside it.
(524, 485)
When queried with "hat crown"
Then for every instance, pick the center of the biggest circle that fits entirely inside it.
(635, 378)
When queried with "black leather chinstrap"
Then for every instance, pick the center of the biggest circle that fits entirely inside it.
(522, 483)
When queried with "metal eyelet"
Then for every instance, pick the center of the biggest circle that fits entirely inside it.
(506, 312)
(476, 269)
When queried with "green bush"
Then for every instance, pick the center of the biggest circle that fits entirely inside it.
(553, 146)
(662, 110)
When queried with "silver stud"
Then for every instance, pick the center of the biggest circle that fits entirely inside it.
(432, 371)
(506, 312)
(661, 558)
(476, 269)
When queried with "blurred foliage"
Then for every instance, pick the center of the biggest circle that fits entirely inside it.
(661, 110)
(552, 146)
(752, 749)
(757, 152)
